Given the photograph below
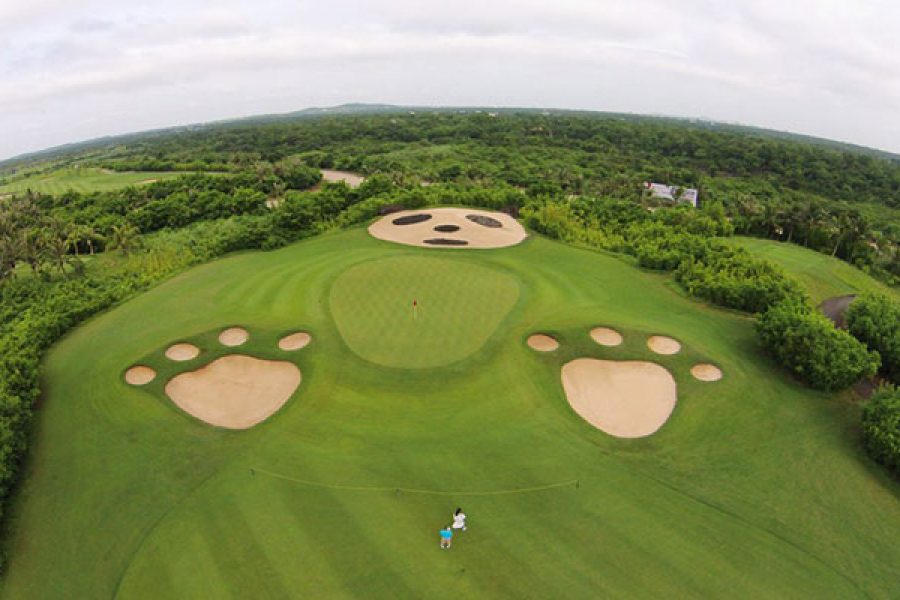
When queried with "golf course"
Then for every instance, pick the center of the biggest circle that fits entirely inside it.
(85, 180)
(414, 391)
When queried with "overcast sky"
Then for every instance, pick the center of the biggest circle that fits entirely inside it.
(77, 69)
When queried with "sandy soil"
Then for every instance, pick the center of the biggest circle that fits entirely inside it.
(663, 345)
(235, 391)
(351, 179)
(182, 352)
(606, 336)
(145, 181)
(706, 372)
(509, 233)
(627, 399)
(294, 341)
(139, 375)
(234, 336)
(542, 343)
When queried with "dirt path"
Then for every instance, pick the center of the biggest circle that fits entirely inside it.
(834, 309)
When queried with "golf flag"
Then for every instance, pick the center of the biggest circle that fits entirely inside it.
(415, 308)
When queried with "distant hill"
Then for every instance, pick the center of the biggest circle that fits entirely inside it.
(86, 147)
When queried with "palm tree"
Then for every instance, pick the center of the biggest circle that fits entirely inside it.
(809, 214)
(10, 250)
(74, 237)
(57, 248)
(31, 246)
(772, 215)
(124, 237)
(90, 234)
(747, 209)
(58, 242)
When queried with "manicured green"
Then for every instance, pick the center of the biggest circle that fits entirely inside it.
(822, 276)
(755, 488)
(85, 179)
(459, 305)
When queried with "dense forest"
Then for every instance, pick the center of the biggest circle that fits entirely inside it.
(576, 178)
(843, 203)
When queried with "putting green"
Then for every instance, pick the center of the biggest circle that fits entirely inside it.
(754, 488)
(458, 306)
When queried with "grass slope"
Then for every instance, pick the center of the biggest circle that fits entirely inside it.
(755, 488)
(84, 180)
(823, 276)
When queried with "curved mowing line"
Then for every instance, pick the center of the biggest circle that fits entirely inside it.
(353, 488)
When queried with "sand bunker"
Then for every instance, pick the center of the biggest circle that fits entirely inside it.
(351, 179)
(182, 352)
(235, 391)
(294, 341)
(542, 343)
(139, 375)
(464, 227)
(663, 345)
(706, 372)
(234, 336)
(606, 336)
(627, 399)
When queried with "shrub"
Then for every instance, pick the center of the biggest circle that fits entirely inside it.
(556, 220)
(874, 319)
(807, 343)
(735, 279)
(881, 427)
(659, 246)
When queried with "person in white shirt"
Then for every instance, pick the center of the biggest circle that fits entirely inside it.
(459, 519)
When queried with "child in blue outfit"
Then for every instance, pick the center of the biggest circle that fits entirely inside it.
(446, 537)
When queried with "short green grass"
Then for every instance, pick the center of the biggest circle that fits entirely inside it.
(458, 306)
(755, 488)
(822, 276)
(84, 179)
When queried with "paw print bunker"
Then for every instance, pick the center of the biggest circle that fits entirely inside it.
(235, 391)
(623, 398)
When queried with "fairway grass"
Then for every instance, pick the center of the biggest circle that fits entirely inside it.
(755, 487)
(85, 180)
(821, 275)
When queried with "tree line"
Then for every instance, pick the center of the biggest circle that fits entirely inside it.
(833, 200)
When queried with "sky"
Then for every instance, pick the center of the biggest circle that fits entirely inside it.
(72, 70)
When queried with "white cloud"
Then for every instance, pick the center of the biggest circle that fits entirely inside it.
(78, 69)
